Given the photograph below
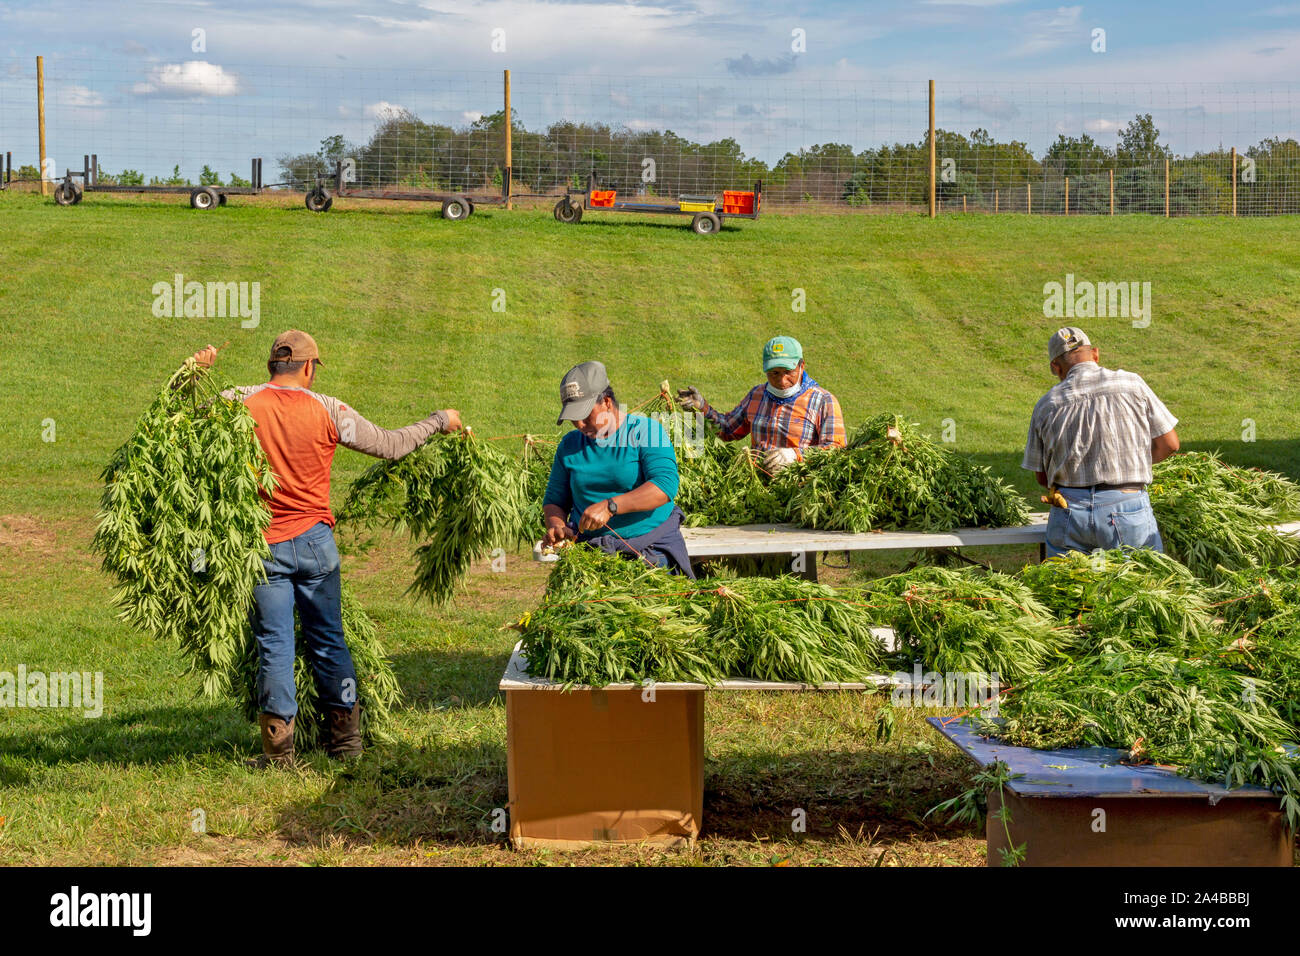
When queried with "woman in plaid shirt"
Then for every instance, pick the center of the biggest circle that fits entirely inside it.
(785, 416)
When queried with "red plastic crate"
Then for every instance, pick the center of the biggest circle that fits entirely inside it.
(603, 197)
(738, 203)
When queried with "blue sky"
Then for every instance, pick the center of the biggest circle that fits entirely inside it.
(275, 77)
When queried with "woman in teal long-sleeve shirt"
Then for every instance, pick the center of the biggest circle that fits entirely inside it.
(614, 476)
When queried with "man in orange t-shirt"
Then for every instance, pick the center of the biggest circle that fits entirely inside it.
(299, 430)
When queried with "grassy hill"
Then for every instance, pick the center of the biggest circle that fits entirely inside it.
(938, 320)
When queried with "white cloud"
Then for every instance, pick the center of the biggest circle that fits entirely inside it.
(1099, 126)
(1046, 30)
(380, 110)
(990, 104)
(78, 97)
(192, 78)
(472, 116)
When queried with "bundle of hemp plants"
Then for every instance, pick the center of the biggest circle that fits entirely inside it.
(182, 521)
(968, 620)
(1216, 518)
(1196, 715)
(607, 619)
(893, 477)
(1128, 599)
(457, 497)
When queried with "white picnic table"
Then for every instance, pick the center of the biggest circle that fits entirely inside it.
(792, 541)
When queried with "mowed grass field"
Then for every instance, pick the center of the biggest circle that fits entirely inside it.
(939, 320)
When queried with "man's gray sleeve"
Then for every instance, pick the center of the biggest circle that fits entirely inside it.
(368, 438)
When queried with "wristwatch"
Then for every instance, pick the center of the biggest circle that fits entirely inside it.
(613, 506)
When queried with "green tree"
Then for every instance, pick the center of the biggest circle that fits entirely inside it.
(1079, 156)
(1139, 143)
(209, 178)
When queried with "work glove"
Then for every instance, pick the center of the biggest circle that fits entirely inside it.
(774, 459)
(690, 398)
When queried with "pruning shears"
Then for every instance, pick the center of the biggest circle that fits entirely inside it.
(1055, 499)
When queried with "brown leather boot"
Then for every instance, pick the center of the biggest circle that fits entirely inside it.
(277, 742)
(341, 732)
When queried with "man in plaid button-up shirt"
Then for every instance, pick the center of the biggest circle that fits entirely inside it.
(1092, 441)
(783, 417)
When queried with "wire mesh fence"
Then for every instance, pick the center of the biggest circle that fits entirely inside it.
(1043, 148)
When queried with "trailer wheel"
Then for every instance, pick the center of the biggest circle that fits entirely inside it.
(318, 200)
(65, 194)
(205, 198)
(221, 199)
(78, 190)
(471, 206)
(455, 209)
(705, 224)
(566, 211)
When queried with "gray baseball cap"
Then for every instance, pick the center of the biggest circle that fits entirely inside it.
(1066, 340)
(579, 390)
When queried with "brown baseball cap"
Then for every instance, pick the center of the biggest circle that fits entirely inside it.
(301, 346)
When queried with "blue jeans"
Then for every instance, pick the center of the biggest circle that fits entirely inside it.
(1102, 519)
(302, 572)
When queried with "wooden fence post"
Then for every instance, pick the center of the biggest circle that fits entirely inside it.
(40, 119)
(995, 200)
(509, 125)
(1166, 188)
(932, 187)
(1234, 180)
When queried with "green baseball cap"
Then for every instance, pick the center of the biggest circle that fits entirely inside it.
(782, 352)
(581, 387)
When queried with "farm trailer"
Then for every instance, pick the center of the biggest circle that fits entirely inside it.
(707, 212)
(455, 205)
(69, 191)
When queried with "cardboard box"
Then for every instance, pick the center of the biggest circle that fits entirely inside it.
(593, 766)
(1141, 831)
